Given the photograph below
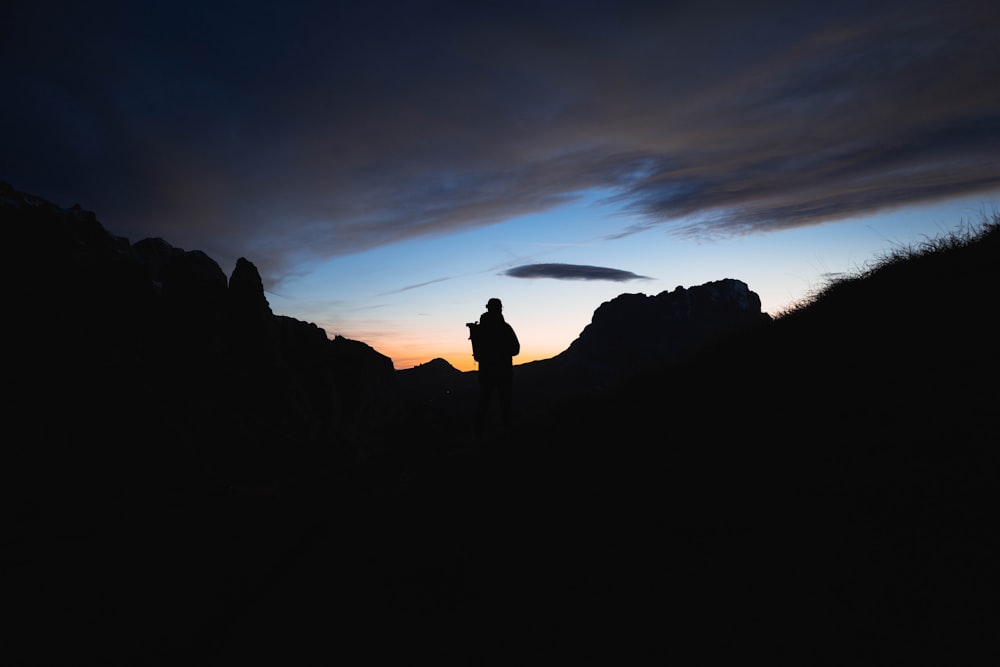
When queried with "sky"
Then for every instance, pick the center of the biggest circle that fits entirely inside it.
(390, 166)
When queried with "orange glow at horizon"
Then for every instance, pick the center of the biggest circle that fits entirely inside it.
(459, 359)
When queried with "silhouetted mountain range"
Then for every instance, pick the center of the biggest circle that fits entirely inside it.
(191, 478)
(627, 336)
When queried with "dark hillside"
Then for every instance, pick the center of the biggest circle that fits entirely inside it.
(835, 472)
(195, 480)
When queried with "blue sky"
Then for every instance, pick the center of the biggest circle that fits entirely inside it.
(389, 166)
(415, 297)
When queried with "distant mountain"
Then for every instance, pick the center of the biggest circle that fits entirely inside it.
(630, 335)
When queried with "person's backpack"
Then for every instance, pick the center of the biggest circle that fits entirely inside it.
(475, 338)
(491, 339)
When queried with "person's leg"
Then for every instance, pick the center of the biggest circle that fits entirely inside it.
(505, 391)
(485, 393)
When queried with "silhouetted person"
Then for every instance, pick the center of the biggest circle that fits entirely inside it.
(494, 346)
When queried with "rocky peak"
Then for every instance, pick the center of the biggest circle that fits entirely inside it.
(246, 290)
(633, 332)
(174, 343)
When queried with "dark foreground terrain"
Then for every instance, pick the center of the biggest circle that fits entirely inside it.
(817, 491)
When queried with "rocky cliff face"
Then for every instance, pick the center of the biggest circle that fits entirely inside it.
(634, 333)
(170, 364)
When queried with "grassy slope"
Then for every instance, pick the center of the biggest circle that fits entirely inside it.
(830, 478)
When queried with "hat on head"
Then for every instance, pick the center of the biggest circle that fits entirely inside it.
(493, 303)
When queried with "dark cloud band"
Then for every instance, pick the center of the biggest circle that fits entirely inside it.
(330, 132)
(572, 272)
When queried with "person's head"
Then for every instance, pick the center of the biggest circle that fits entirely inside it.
(494, 305)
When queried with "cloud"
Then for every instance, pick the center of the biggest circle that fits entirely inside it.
(407, 288)
(572, 272)
(296, 134)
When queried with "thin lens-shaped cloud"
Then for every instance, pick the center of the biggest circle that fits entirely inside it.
(572, 272)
